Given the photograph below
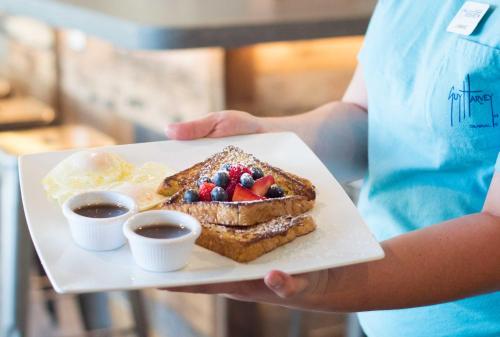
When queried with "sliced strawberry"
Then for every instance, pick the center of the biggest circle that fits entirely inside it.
(244, 194)
(261, 185)
(230, 189)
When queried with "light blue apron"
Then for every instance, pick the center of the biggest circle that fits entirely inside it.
(434, 138)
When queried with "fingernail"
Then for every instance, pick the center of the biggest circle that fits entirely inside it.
(276, 282)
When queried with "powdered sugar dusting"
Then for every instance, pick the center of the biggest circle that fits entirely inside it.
(230, 154)
(269, 229)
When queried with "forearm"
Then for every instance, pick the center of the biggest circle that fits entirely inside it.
(452, 260)
(336, 132)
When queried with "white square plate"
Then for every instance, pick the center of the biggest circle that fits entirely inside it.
(341, 237)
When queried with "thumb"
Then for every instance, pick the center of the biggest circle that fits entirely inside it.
(285, 285)
(197, 128)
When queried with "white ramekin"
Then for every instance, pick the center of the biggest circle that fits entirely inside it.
(98, 233)
(161, 255)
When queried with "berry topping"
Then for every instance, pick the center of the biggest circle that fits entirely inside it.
(256, 173)
(225, 167)
(246, 180)
(230, 189)
(205, 190)
(203, 179)
(244, 194)
(218, 194)
(221, 179)
(236, 171)
(261, 185)
(275, 191)
(191, 196)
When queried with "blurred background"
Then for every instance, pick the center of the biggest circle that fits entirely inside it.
(90, 73)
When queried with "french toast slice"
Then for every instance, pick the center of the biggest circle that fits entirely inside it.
(299, 192)
(244, 244)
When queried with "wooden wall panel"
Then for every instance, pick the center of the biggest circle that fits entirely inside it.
(28, 59)
(276, 79)
(149, 88)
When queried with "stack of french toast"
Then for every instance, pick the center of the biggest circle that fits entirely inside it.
(246, 207)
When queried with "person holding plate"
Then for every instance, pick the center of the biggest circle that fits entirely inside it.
(420, 120)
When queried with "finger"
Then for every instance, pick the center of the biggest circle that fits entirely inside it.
(244, 288)
(200, 289)
(198, 128)
(285, 285)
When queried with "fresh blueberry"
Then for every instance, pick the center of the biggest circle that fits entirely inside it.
(246, 180)
(191, 196)
(257, 173)
(225, 167)
(221, 179)
(218, 194)
(203, 179)
(275, 191)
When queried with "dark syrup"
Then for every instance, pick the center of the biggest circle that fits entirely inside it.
(162, 231)
(101, 210)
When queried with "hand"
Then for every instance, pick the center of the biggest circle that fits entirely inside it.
(216, 124)
(301, 291)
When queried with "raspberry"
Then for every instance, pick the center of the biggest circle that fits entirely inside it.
(236, 171)
(230, 189)
(205, 190)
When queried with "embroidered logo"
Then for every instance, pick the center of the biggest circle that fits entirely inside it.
(471, 107)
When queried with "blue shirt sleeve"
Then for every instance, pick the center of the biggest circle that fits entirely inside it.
(497, 166)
